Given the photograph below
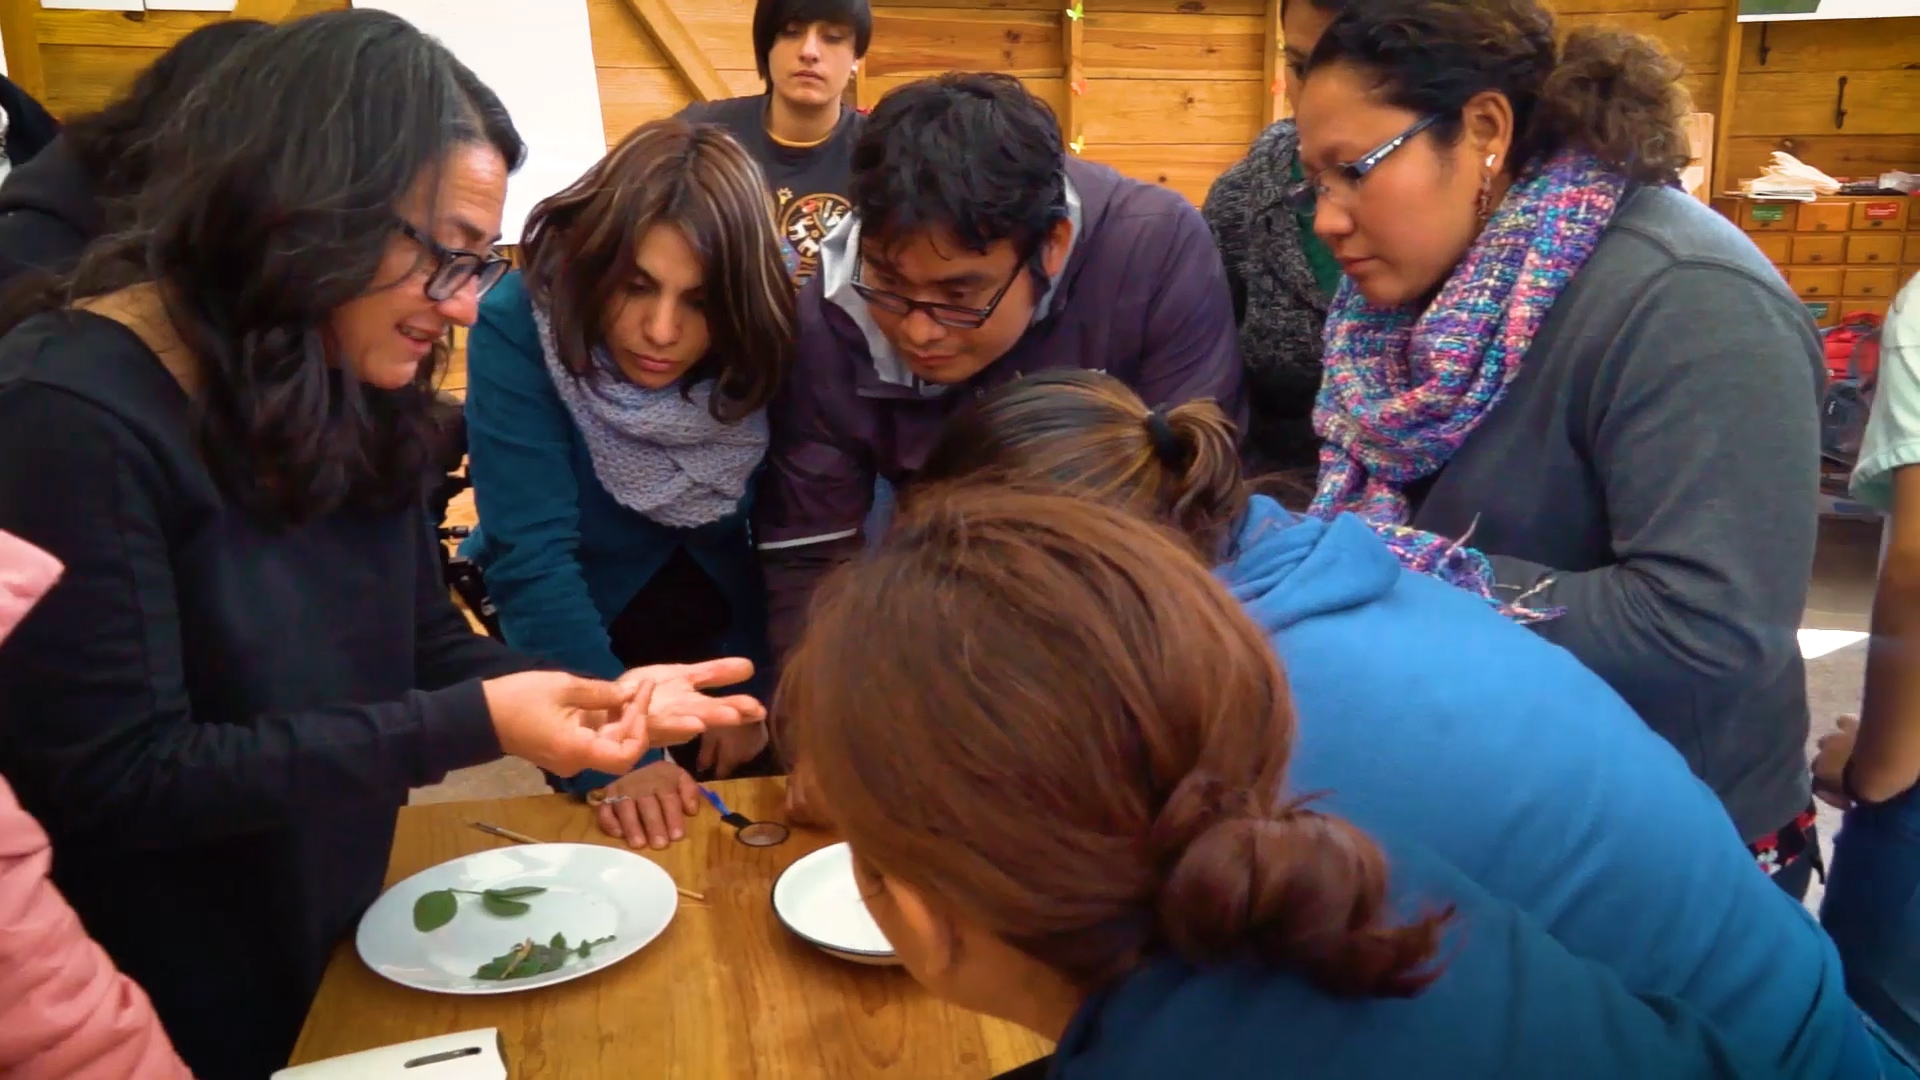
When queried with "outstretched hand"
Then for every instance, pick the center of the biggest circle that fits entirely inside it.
(678, 710)
(559, 721)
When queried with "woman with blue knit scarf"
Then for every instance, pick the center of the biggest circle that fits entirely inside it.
(1556, 380)
(616, 416)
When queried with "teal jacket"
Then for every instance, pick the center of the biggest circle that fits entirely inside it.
(561, 557)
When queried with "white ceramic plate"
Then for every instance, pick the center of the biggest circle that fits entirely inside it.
(592, 892)
(818, 899)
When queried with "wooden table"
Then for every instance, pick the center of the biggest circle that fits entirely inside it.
(726, 993)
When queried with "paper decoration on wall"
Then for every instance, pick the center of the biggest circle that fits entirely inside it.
(1076, 84)
(538, 56)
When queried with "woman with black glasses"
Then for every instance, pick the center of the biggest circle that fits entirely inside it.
(221, 428)
(1555, 379)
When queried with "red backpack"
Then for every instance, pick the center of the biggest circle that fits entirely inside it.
(1853, 370)
(1853, 347)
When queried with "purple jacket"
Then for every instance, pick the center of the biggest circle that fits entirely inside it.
(1143, 296)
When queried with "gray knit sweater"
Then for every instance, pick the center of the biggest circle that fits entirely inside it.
(1279, 306)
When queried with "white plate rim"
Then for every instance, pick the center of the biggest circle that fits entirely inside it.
(567, 973)
(773, 899)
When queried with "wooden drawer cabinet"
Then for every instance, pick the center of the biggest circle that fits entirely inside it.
(1810, 282)
(1823, 217)
(1777, 247)
(1875, 281)
(1839, 255)
(1767, 217)
(1885, 215)
(1872, 249)
(1816, 250)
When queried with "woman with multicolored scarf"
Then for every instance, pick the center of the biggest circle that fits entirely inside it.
(1555, 379)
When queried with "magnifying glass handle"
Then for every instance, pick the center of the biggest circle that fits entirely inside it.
(738, 821)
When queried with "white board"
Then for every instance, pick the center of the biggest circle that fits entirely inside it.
(538, 56)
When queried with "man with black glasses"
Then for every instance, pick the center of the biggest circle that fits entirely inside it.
(978, 251)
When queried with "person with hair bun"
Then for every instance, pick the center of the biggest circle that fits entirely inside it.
(1555, 379)
(1073, 815)
(1424, 714)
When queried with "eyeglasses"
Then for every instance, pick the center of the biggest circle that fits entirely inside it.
(1301, 197)
(956, 316)
(453, 268)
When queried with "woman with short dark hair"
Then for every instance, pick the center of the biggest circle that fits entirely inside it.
(616, 397)
(223, 432)
(82, 186)
(1554, 378)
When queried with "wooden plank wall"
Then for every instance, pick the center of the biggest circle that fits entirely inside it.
(1788, 89)
(1170, 90)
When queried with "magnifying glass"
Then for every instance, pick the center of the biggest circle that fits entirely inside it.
(746, 830)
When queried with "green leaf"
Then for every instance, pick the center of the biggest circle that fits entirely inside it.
(434, 910)
(559, 942)
(503, 907)
(551, 959)
(586, 947)
(515, 893)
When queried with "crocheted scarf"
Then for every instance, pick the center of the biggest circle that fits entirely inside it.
(1404, 388)
(658, 452)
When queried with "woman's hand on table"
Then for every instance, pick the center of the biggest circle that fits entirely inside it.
(680, 711)
(725, 749)
(802, 808)
(649, 805)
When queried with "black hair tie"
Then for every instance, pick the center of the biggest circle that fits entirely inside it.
(1166, 444)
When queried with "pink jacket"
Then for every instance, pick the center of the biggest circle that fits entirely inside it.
(64, 1010)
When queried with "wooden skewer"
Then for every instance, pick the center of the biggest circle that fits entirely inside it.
(523, 838)
(509, 834)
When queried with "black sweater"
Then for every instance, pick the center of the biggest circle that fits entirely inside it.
(48, 213)
(215, 723)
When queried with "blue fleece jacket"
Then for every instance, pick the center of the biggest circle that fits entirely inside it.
(1511, 1004)
(562, 558)
(1424, 714)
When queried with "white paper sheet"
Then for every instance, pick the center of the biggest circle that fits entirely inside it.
(538, 56)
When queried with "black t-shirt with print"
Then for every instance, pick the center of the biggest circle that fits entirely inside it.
(809, 184)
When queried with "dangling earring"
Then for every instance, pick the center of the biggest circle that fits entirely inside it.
(1486, 190)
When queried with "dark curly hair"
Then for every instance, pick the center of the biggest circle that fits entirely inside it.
(272, 203)
(973, 153)
(1613, 93)
(114, 144)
